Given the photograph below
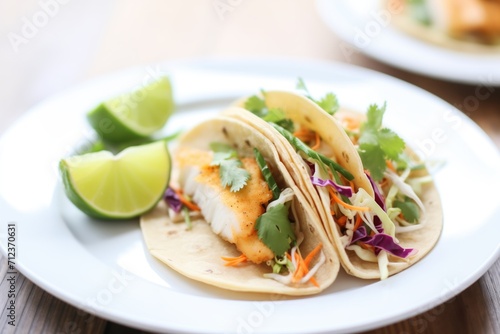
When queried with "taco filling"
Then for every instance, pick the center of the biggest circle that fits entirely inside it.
(248, 202)
(246, 215)
(366, 218)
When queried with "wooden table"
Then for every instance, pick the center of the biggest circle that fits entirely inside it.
(132, 33)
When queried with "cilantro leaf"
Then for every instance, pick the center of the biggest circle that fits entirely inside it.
(278, 116)
(390, 143)
(408, 208)
(374, 116)
(274, 115)
(377, 144)
(230, 171)
(258, 107)
(220, 157)
(373, 159)
(275, 230)
(286, 124)
(328, 103)
(233, 175)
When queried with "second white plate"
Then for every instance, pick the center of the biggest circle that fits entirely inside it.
(366, 27)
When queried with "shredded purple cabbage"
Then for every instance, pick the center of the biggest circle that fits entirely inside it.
(385, 242)
(381, 241)
(379, 198)
(343, 190)
(172, 200)
(312, 166)
(359, 235)
(378, 224)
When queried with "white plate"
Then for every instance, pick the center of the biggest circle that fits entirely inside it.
(104, 268)
(364, 28)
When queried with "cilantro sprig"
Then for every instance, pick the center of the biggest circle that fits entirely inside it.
(258, 107)
(275, 229)
(230, 171)
(408, 208)
(378, 144)
(328, 103)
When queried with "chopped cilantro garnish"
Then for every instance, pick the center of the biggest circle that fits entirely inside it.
(258, 107)
(328, 103)
(230, 171)
(373, 159)
(377, 144)
(275, 230)
(274, 115)
(408, 208)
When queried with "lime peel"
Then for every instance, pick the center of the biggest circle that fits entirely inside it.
(122, 186)
(134, 115)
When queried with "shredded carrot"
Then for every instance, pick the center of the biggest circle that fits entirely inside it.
(317, 143)
(384, 182)
(341, 221)
(358, 222)
(390, 165)
(303, 134)
(365, 246)
(302, 265)
(313, 281)
(190, 205)
(335, 198)
(307, 135)
(234, 261)
(312, 254)
(350, 123)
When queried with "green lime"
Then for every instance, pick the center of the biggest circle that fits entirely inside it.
(134, 115)
(120, 186)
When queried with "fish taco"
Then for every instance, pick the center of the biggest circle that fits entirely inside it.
(376, 200)
(467, 26)
(235, 218)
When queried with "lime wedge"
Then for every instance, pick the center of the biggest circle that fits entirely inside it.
(103, 185)
(134, 115)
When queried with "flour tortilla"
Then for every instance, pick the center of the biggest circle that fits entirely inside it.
(307, 113)
(423, 239)
(196, 253)
(335, 143)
